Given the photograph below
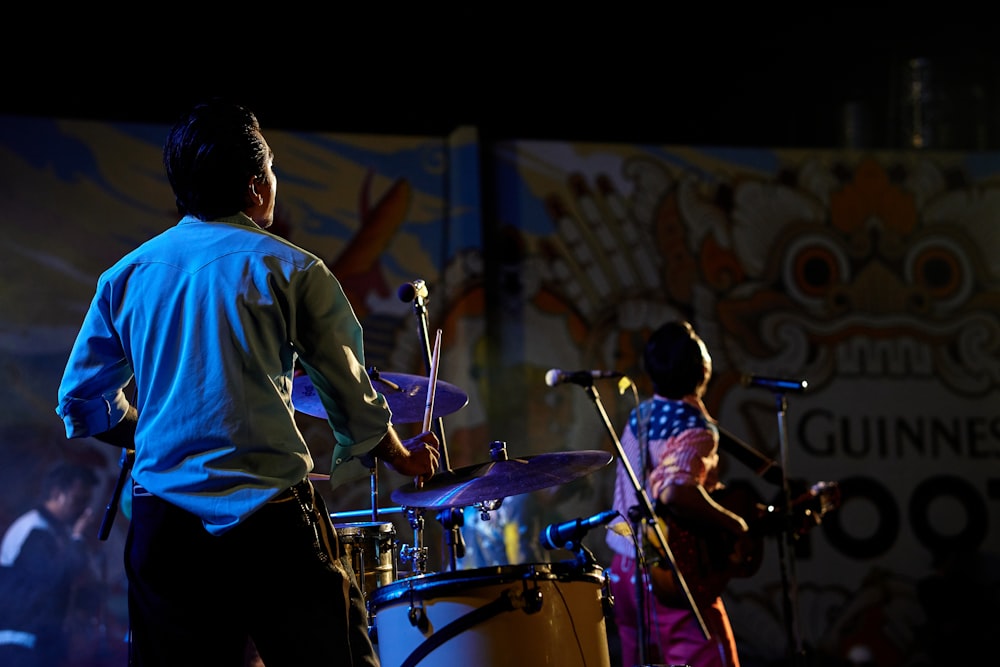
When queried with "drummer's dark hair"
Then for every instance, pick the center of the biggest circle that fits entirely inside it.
(210, 156)
(673, 359)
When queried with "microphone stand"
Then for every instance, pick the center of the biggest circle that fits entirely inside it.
(636, 521)
(646, 507)
(786, 554)
(420, 309)
(453, 527)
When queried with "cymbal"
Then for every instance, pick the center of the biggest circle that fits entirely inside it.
(498, 479)
(405, 394)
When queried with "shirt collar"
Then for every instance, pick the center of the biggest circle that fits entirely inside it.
(240, 218)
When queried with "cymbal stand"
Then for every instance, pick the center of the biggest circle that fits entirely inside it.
(373, 489)
(417, 554)
(646, 507)
(452, 520)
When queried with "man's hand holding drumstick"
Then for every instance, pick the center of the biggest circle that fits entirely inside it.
(431, 391)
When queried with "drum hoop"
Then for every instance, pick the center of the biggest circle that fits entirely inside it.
(368, 528)
(446, 583)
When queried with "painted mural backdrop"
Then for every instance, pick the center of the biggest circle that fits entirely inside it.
(870, 275)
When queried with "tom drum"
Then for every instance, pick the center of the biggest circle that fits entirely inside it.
(549, 614)
(371, 549)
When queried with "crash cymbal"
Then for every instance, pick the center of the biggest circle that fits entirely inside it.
(406, 395)
(499, 479)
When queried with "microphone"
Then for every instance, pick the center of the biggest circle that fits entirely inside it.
(582, 378)
(774, 384)
(565, 535)
(407, 292)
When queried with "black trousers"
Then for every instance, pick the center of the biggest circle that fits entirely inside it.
(195, 599)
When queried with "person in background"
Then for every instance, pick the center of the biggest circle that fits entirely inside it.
(44, 563)
(229, 542)
(671, 443)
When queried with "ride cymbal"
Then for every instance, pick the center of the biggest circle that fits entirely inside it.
(406, 395)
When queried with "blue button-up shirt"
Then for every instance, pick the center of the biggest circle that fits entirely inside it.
(209, 319)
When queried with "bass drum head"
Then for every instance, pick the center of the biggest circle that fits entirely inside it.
(541, 614)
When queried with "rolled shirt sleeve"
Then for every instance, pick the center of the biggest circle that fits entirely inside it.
(91, 396)
(329, 341)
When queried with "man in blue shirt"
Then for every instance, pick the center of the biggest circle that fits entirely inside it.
(228, 539)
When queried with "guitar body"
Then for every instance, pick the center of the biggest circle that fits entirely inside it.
(709, 557)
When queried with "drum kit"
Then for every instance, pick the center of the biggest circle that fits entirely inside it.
(499, 615)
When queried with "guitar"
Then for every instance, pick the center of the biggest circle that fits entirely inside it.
(708, 557)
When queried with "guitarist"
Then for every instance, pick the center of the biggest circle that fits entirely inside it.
(672, 444)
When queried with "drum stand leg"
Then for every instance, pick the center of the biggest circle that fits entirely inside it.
(452, 520)
(373, 488)
(417, 555)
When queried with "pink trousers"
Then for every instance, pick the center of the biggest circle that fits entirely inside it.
(673, 635)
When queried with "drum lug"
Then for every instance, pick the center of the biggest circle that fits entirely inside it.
(529, 600)
(607, 599)
(416, 614)
(418, 618)
(534, 601)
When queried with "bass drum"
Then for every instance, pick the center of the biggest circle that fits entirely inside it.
(543, 614)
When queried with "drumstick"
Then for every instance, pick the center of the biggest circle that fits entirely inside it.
(431, 390)
(432, 382)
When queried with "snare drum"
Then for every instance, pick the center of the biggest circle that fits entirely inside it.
(549, 614)
(371, 549)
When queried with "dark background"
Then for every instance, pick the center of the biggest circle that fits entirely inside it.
(722, 77)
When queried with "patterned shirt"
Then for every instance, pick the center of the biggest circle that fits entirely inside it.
(682, 443)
